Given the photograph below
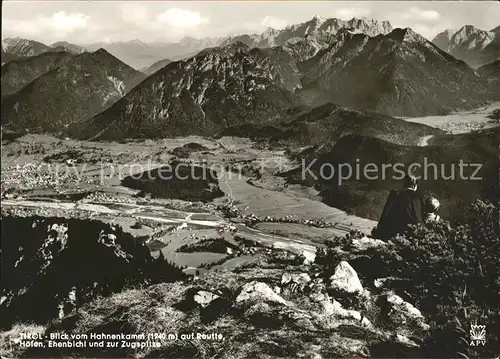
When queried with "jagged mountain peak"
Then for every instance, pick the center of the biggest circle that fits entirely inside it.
(468, 30)
(412, 36)
(318, 19)
(103, 56)
(473, 45)
(102, 52)
(407, 35)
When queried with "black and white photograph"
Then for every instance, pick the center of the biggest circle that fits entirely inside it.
(250, 179)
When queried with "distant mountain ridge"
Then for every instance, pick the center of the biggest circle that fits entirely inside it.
(398, 74)
(475, 46)
(66, 46)
(316, 27)
(156, 66)
(18, 73)
(23, 47)
(328, 123)
(361, 64)
(491, 73)
(140, 55)
(78, 87)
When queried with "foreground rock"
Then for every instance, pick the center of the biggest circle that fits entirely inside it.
(345, 279)
(258, 292)
(204, 298)
(404, 315)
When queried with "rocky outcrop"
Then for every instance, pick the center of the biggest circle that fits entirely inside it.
(204, 298)
(61, 264)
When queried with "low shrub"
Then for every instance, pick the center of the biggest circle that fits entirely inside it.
(453, 279)
(450, 274)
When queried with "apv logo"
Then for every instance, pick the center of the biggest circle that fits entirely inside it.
(477, 335)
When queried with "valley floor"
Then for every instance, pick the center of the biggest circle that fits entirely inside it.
(98, 193)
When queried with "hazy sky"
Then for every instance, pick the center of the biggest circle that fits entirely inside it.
(84, 22)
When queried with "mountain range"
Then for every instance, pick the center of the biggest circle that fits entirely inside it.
(156, 66)
(475, 46)
(200, 95)
(397, 74)
(328, 123)
(140, 55)
(491, 72)
(364, 65)
(23, 47)
(317, 27)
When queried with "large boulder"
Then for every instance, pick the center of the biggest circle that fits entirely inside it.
(258, 292)
(399, 305)
(345, 279)
(204, 298)
(403, 315)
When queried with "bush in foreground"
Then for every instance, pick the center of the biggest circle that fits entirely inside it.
(449, 273)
